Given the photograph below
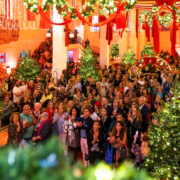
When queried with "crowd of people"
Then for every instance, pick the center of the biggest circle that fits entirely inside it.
(96, 117)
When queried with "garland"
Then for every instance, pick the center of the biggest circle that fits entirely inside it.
(164, 20)
(149, 18)
(65, 9)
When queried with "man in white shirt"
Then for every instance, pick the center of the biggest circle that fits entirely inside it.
(16, 93)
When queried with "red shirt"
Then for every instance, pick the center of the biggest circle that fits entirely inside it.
(51, 115)
(31, 87)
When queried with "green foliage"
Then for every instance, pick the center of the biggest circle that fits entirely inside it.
(114, 50)
(87, 68)
(164, 158)
(28, 69)
(148, 51)
(48, 162)
(129, 57)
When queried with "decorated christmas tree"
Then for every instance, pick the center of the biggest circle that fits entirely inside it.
(148, 51)
(48, 162)
(114, 51)
(87, 67)
(129, 57)
(28, 69)
(164, 158)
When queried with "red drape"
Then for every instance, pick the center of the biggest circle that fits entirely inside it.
(46, 17)
(168, 2)
(173, 32)
(137, 23)
(147, 29)
(148, 59)
(156, 33)
(30, 15)
(109, 32)
(120, 16)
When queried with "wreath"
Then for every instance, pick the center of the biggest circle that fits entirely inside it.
(164, 20)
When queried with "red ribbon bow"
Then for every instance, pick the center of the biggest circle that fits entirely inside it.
(168, 2)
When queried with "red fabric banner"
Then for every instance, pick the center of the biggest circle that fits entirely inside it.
(148, 59)
(156, 33)
(109, 32)
(121, 33)
(173, 32)
(30, 15)
(168, 2)
(44, 24)
(137, 23)
(120, 16)
(46, 17)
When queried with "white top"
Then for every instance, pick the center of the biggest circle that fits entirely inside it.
(16, 90)
(141, 82)
(23, 88)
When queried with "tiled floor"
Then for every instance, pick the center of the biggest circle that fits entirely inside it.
(3, 136)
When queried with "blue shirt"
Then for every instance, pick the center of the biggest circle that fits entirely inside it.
(79, 86)
(29, 130)
(83, 132)
(166, 89)
(60, 122)
(161, 95)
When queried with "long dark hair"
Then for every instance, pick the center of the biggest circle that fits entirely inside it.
(77, 112)
(123, 130)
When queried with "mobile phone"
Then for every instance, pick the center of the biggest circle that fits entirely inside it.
(108, 138)
(137, 134)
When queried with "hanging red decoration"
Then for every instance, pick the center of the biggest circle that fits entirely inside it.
(168, 2)
(30, 15)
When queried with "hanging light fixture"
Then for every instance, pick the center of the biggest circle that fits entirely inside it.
(71, 35)
(48, 34)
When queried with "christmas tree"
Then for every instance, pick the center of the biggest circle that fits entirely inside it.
(148, 51)
(48, 162)
(87, 67)
(28, 69)
(164, 158)
(129, 57)
(114, 50)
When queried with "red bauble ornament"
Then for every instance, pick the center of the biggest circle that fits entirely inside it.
(30, 3)
(110, 7)
(47, 6)
(126, 3)
(84, 10)
(101, 7)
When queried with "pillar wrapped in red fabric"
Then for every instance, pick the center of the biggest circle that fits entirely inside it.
(168, 2)
(30, 16)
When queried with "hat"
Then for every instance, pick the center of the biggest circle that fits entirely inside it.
(98, 104)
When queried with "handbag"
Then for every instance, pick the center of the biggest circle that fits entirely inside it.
(23, 144)
(86, 157)
(122, 154)
(109, 155)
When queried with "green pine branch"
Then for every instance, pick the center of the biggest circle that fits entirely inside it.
(28, 69)
(114, 51)
(129, 57)
(147, 51)
(87, 67)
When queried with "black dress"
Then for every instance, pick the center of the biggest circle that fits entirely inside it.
(96, 149)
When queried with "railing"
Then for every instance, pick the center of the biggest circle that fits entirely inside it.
(78, 40)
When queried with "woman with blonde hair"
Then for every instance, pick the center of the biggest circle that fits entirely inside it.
(59, 118)
(134, 123)
(51, 83)
(15, 129)
(118, 96)
(27, 99)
